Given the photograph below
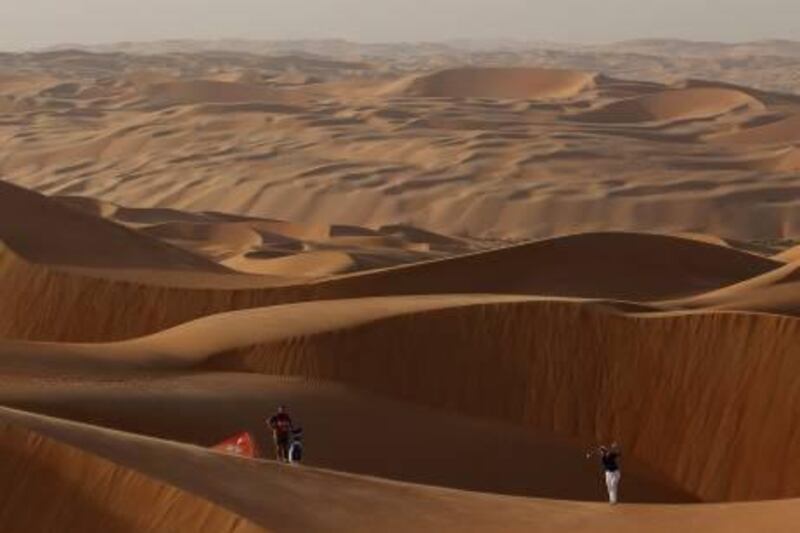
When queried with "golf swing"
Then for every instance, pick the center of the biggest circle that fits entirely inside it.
(609, 459)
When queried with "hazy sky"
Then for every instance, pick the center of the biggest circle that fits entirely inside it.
(34, 23)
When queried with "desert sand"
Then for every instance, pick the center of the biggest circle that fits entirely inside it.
(476, 152)
(457, 274)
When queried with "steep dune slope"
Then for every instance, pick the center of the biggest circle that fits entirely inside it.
(43, 231)
(346, 430)
(625, 266)
(567, 368)
(343, 502)
(49, 486)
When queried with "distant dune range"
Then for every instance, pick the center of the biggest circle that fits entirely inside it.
(222, 233)
(499, 153)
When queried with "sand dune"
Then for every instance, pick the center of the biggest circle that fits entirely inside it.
(776, 292)
(681, 104)
(529, 84)
(265, 246)
(458, 277)
(607, 398)
(204, 409)
(784, 160)
(782, 131)
(605, 360)
(607, 266)
(789, 162)
(45, 232)
(768, 63)
(496, 153)
(18, 83)
(343, 498)
(636, 267)
(792, 254)
(218, 240)
(208, 91)
(50, 486)
(308, 264)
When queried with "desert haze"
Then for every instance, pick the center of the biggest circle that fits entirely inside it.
(458, 264)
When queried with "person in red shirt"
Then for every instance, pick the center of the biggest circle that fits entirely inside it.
(281, 425)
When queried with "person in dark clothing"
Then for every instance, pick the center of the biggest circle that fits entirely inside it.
(609, 459)
(281, 425)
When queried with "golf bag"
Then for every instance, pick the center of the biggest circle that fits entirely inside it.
(296, 446)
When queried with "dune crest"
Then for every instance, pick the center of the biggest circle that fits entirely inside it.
(777, 292)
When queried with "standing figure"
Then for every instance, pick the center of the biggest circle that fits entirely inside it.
(609, 459)
(281, 425)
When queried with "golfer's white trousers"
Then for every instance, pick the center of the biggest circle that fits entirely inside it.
(612, 483)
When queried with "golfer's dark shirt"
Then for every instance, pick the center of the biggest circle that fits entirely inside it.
(281, 424)
(609, 460)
